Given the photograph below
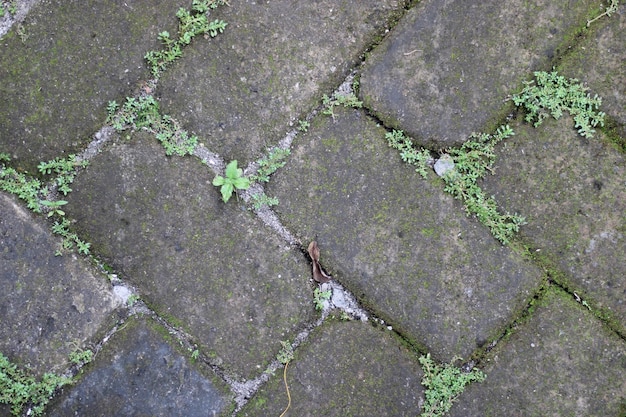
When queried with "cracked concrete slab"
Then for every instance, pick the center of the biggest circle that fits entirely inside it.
(210, 267)
(345, 368)
(67, 61)
(573, 194)
(448, 65)
(50, 305)
(140, 372)
(401, 244)
(560, 362)
(241, 91)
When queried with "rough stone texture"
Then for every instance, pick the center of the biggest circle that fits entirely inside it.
(448, 66)
(572, 191)
(140, 374)
(345, 369)
(398, 242)
(607, 45)
(242, 90)
(50, 305)
(562, 362)
(211, 267)
(74, 58)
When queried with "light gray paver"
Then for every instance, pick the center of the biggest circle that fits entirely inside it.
(397, 241)
(448, 66)
(77, 55)
(572, 191)
(561, 362)
(138, 373)
(345, 369)
(208, 266)
(50, 305)
(241, 91)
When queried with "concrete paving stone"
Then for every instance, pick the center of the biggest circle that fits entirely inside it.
(141, 373)
(212, 268)
(50, 305)
(572, 191)
(561, 362)
(606, 45)
(401, 244)
(73, 58)
(448, 65)
(345, 369)
(241, 91)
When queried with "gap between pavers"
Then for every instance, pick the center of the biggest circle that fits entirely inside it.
(141, 371)
(448, 66)
(398, 242)
(76, 57)
(345, 368)
(572, 191)
(50, 305)
(560, 362)
(241, 91)
(211, 268)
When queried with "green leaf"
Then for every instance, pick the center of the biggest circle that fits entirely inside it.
(218, 180)
(227, 191)
(242, 183)
(232, 171)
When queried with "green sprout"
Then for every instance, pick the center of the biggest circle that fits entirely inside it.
(234, 180)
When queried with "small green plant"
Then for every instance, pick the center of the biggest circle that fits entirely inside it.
(303, 125)
(195, 354)
(270, 164)
(234, 179)
(612, 8)
(69, 238)
(132, 299)
(81, 356)
(19, 390)
(471, 162)
(286, 352)
(65, 169)
(320, 297)
(28, 189)
(443, 383)
(345, 100)
(552, 94)
(54, 207)
(190, 24)
(262, 200)
(408, 152)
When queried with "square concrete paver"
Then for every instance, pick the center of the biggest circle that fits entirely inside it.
(561, 362)
(401, 244)
(50, 305)
(140, 373)
(210, 267)
(448, 65)
(71, 59)
(345, 369)
(241, 91)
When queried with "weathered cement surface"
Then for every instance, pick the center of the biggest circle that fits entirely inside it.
(561, 362)
(573, 194)
(140, 374)
(73, 57)
(447, 72)
(404, 247)
(211, 267)
(50, 305)
(243, 91)
(215, 278)
(345, 369)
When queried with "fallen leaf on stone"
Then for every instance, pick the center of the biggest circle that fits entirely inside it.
(318, 273)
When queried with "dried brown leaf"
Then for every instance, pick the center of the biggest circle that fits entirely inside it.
(318, 273)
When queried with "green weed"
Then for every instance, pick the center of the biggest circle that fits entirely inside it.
(234, 179)
(443, 383)
(552, 94)
(345, 100)
(286, 352)
(19, 390)
(270, 164)
(320, 297)
(408, 152)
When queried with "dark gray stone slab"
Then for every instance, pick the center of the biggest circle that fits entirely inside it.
(448, 66)
(50, 305)
(562, 362)
(401, 244)
(607, 46)
(345, 369)
(572, 191)
(210, 267)
(139, 373)
(242, 90)
(74, 58)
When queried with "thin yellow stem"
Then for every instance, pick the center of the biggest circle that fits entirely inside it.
(287, 388)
